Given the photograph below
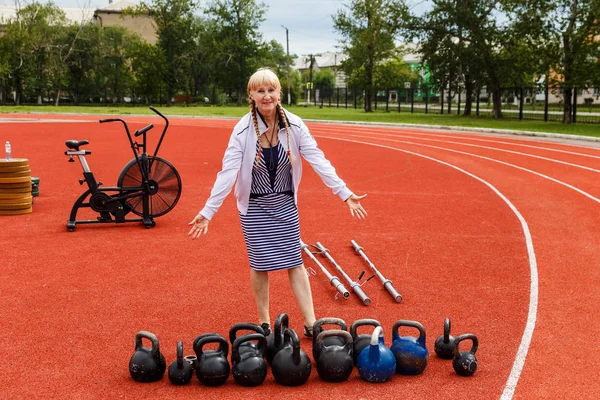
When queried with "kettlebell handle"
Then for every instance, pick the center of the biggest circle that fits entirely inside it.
(377, 333)
(150, 336)
(281, 322)
(180, 355)
(447, 330)
(466, 336)
(337, 333)
(362, 322)
(211, 338)
(201, 336)
(244, 326)
(413, 324)
(293, 340)
(317, 327)
(235, 349)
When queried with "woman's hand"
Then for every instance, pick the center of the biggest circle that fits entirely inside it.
(356, 210)
(199, 226)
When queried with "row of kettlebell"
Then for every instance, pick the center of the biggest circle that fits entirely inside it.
(410, 353)
(446, 347)
(290, 366)
(335, 353)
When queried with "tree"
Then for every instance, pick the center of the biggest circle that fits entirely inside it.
(574, 26)
(174, 23)
(481, 43)
(147, 66)
(28, 37)
(324, 79)
(368, 28)
(238, 42)
(393, 73)
(295, 85)
(79, 80)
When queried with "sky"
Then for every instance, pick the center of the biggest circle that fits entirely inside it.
(309, 22)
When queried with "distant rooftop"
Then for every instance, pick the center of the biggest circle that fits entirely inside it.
(118, 5)
(330, 59)
(76, 15)
(323, 60)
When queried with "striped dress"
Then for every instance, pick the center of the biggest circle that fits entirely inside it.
(271, 226)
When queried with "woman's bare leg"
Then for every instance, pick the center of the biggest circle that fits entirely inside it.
(260, 287)
(301, 287)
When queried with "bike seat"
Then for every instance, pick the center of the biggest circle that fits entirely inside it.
(74, 144)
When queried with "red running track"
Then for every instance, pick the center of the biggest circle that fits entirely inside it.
(448, 220)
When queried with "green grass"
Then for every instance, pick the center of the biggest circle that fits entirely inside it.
(325, 113)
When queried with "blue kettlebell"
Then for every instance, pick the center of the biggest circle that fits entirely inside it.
(410, 352)
(376, 363)
(361, 341)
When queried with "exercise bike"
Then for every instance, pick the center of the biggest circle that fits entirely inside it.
(148, 186)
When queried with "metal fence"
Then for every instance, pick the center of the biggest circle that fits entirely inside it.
(538, 103)
(534, 103)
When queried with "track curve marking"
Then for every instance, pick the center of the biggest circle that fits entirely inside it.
(519, 363)
(424, 131)
(482, 157)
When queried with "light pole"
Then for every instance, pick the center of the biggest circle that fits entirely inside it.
(287, 39)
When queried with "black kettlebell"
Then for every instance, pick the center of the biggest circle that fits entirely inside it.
(247, 345)
(444, 345)
(212, 368)
(147, 364)
(249, 367)
(318, 328)
(275, 338)
(180, 371)
(465, 362)
(335, 361)
(291, 365)
(363, 340)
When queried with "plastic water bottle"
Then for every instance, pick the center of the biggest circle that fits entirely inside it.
(8, 151)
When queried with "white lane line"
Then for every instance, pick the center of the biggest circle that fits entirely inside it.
(410, 136)
(43, 121)
(517, 368)
(514, 144)
(466, 136)
(496, 149)
(586, 194)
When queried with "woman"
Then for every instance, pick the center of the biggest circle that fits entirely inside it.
(264, 156)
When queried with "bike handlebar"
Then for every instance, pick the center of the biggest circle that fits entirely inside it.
(111, 120)
(143, 130)
(158, 112)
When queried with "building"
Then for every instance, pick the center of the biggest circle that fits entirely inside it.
(323, 61)
(109, 15)
(112, 15)
(74, 15)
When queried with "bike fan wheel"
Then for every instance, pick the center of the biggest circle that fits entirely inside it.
(166, 192)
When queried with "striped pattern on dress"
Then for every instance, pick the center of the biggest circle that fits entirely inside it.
(271, 226)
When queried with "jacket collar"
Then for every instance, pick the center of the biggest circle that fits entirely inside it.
(262, 125)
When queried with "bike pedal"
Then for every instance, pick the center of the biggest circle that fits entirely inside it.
(81, 181)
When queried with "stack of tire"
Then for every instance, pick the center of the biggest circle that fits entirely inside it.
(15, 187)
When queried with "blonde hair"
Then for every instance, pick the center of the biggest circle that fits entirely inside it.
(266, 77)
(263, 77)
